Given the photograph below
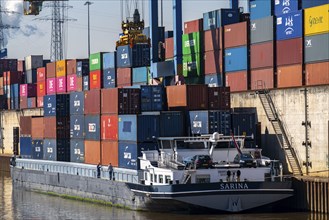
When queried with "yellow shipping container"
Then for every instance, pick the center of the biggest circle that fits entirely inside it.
(316, 20)
(60, 68)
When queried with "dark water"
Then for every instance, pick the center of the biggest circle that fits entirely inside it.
(20, 204)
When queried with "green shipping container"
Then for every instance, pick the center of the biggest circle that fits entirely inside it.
(96, 61)
(192, 43)
(192, 65)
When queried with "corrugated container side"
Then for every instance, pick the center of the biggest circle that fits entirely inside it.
(50, 149)
(96, 61)
(109, 78)
(51, 70)
(129, 101)
(289, 76)
(236, 59)
(79, 84)
(261, 9)
(71, 83)
(124, 77)
(192, 43)
(57, 105)
(193, 26)
(192, 65)
(40, 102)
(289, 26)
(213, 62)
(262, 55)
(169, 47)
(140, 74)
(262, 30)
(77, 103)
(261, 77)
(56, 127)
(214, 80)
(317, 73)
(63, 149)
(33, 62)
(109, 127)
(77, 150)
(92, 152)
(316, 48)
(77, 126)
(219, 18)
(109, 60)
(236, 35)
(61, 68)
(92, 102)
(281, 6)
(109, 100)
(213, 39)
(25, 149)
(37, 149)
(137, 56)
(37, 131)
(289, 51)
(28, 90)
(23, 102)
(92, 127)
(316, 20)
(220, 121)
(21, 65)
(95, 79)
(51, 86)
(172, 124)
(199, 122)
(61, 84)
(85, 83)
(237, 81)
(110, 153)
(153, 98)
(71, 67)
(32, 102)
(41, 74)
(25, 125)
(219, 98)
(83, 67)
(244, 123)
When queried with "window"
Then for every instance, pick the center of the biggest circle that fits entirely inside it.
(151, 177)
(145, 175)
(155, 178)
(160, 178)
(203, 179)
(167, 178)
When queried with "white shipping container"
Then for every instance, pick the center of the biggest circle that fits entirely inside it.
(33, 62)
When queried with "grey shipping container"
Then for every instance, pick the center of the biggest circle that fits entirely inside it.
(50, 149)
(262, 30)
(316, 48)
(77, 153)
(77, 103)
(77, 126)
(92, 127)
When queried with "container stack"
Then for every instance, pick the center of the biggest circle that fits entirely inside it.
(28, 94)
(37, 137)
(51, 81)
(41, 86)
(11, 82)
(289, 44)
(262, 48)
(316, 44)
(31, 64)
(96, 70)
(109, 70)
(73, 82)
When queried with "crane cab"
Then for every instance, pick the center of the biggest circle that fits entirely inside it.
(32, 7)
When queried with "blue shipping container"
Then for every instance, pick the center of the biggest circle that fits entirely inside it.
(153, 98)
(37, 149)
(219, 18)
(214, 80)
(289, 26)
(236, 59)
(172, 124)
(261, 9)
(313, 3)
(85, 83)
(109, 60)
(31, 102)
(139, 128)
(83, 68)
(77, 151)
(130, 151)
(14, 90)
(137, 56)
(25, 147)
(14, 103)
(77, 100)
(77, 125)
(109, 78)
(50, 149)
(163, 69)
(92, 127)
(140, 74)
(284, 7)
(161, 33)
(56, 105)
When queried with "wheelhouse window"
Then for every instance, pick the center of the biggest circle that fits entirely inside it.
(155, 178)
(160, 178)
(151, 177)
(146, 174)
(167, 178)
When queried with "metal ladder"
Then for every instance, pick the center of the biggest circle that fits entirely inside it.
(279, 129)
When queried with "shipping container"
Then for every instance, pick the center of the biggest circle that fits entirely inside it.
(193, 26)
(236, 35)
(31, 76)
(244, 123)
(40, 102)
(40, 89)
(162, 69)
(95, 79)
(140, 74)
(316, 20)
(213, 39)
(56, 127)
(317, 73)
(109, 152)
(41, 74)
(79, 84)
(213, 62)
(172, 124)
(23, 102)
(153, 98)
(285, 7)
(56, 105)
(124, 77)
(12, 77)
(190, 97)
(169, 48)
(25, 125)
(50, 149)
(109, 60)
(169, 34)
(85, 83)
(237, 81)
(61, 68)
(57, 149)
(14, 90)
(160, 32)
(312, 3)
(77, 67)
(25, 149)
(262, 78)
(61, 84)
(262, 30)
(219, 18)
(192, 65)
(261, 9)
(21, 65)
(96, 61)
(32, 102)
(77, 126)
(262, 55)
(109, 127)
(92, 127)
(236, 59)
(289, 52)
(77, 103)
(37, 129)
(8, 65)
(3, 102)
(51, 70)
(130, 151)
(289, 26)
(71, 83)
(192, 43)
(51, 86)
(316, 48)
(109, 78)
(92, 102)
(14, 103)
(289, 76)
(37, 149)
(137, 56)
(82, 68)
(33, 62)
(139, 128)
(77, 150)
(92, 152)
(219, 98)
(214, 80)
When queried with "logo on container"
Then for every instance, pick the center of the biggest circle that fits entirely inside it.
(197, 124)
(76, 103)
(127, 155)
(124, 56)
(92, 127)
(94, 61)
(315, 20)
(37, 149)
(289, 23)
(211, 21)
(60, 83)
(51, 84)
(253, 26)
(189, 43)
(77, 127)
(77, 151)
(71, 81)
(49, 150)
(309, 43)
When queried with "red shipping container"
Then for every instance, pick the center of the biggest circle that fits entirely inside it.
(25, 126)
(262, 55)
(213, 39)
(23, 102)
(95, 79)
(71, 83)
(56, 127)
(193, 26)
(290, 76)
(109, 127)
(237, 81)
(41, 74)
(37, 128)
(289, 52)
(61, 84)
(213, 61)
(110, 153)
(92, 152)
(219, 98)
(169, 47)
(236, 35)
(51, 70)
(40, 101)
(79, 84)
(92, 101)
(33, 101)
(21, 65)
(262, 78)
(12, 77)
(51, 86)
(41, 89)
(71, 67)
(124, 77)
(317, 73)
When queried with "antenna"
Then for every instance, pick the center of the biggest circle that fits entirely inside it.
(4, 26)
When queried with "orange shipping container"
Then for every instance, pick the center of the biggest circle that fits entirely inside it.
(37, 128)
(290, 76)
(317, 73)
(95, 79)
(236, 35)
(262, 55)
(41, 74)
(169, 46)
(110, 153)
(193, 26)
(41, 89)
(237, 81)
(51, 70)
(261, 78)
(213, 39)
(213, 61)
(92, 152)
(61, 68)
